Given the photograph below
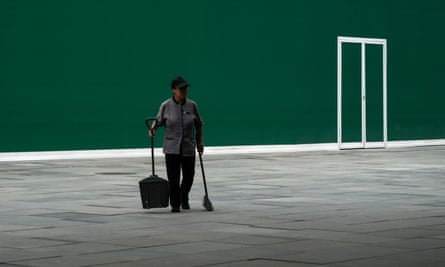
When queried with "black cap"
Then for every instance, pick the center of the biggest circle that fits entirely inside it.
(179, 82)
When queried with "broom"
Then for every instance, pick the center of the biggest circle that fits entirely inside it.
(206, 202)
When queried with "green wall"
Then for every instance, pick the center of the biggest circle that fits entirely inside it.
(84, 74)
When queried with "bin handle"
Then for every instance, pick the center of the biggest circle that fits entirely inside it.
(147, 122)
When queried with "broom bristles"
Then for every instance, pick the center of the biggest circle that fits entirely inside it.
(207, 204)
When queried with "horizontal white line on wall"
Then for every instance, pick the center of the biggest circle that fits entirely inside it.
(216, 150)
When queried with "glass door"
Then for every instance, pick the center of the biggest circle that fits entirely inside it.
(361, 92)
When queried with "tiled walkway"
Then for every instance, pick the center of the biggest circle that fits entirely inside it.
(380, 207)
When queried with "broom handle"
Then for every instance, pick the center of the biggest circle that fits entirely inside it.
(203, 174)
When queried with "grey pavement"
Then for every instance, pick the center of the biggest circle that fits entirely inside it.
(377, 207)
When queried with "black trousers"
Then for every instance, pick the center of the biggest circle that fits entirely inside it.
(179, 191)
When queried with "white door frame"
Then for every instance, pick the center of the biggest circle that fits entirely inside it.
(363, 42)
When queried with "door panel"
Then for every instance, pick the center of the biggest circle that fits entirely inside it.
(374, 93)
(351, 93)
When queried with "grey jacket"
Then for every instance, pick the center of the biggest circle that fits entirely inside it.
(180, 121)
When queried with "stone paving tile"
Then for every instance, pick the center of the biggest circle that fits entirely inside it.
(410, 233)
(15, 256)
(10, 241)
(252, 240)
(263, 263)
(382, 207)
(430, 258)
(184, 260)
(414, 243)
(92, 259)
(327, 252)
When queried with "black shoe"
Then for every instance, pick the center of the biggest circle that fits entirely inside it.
(176, 209)
(185, 206)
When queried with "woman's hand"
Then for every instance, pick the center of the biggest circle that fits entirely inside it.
(200, 148)
(199, 140)
(152, 132)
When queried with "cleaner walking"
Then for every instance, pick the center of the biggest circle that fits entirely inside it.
(183, 126)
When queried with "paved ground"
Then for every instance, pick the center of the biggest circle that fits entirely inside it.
(338, 209)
